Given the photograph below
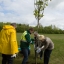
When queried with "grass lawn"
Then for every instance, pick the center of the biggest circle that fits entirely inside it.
(57, 56)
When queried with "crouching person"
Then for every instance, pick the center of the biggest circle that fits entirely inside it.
(47, 45)
(8, 43)
(37, 45)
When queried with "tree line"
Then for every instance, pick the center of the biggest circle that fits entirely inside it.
(45, 30)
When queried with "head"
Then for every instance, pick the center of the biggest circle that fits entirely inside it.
(14, 25)
(36, 33)
(31, 30)
(41, 38)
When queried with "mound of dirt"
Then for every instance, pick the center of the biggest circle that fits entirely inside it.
(34, 63)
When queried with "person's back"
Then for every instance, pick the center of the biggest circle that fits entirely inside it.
(25, 40)
(7, 39)
(49, 44)
(8, 43)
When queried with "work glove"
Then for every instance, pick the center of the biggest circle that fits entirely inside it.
(19, 49)
(13, 56)
(38, 50)
(42, 47)
(31, 42)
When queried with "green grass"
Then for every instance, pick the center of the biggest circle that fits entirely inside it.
(57, 56)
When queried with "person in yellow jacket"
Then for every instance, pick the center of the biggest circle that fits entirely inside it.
(8, 43)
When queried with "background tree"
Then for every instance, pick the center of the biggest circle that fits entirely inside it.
(51, 29)
(39, 5)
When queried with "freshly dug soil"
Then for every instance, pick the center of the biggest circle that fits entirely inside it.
(34, 63)
(37, 63)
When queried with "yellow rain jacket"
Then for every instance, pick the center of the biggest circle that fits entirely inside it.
(8, 42)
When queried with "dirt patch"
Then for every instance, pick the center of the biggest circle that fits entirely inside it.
(34, 63)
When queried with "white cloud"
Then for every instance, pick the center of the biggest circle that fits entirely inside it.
(21, 11)
(60, 6)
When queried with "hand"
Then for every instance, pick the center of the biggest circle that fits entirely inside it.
(42, 47)
(38, 50)
(31, 42)
(13, 56)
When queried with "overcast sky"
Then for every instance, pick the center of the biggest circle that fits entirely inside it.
(21, 11)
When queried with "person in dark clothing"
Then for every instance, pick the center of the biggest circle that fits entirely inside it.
(37, 42)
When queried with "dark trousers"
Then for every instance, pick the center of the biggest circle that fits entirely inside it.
(41, 54)
(47, 56)
(25, 52)
(7, 59)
